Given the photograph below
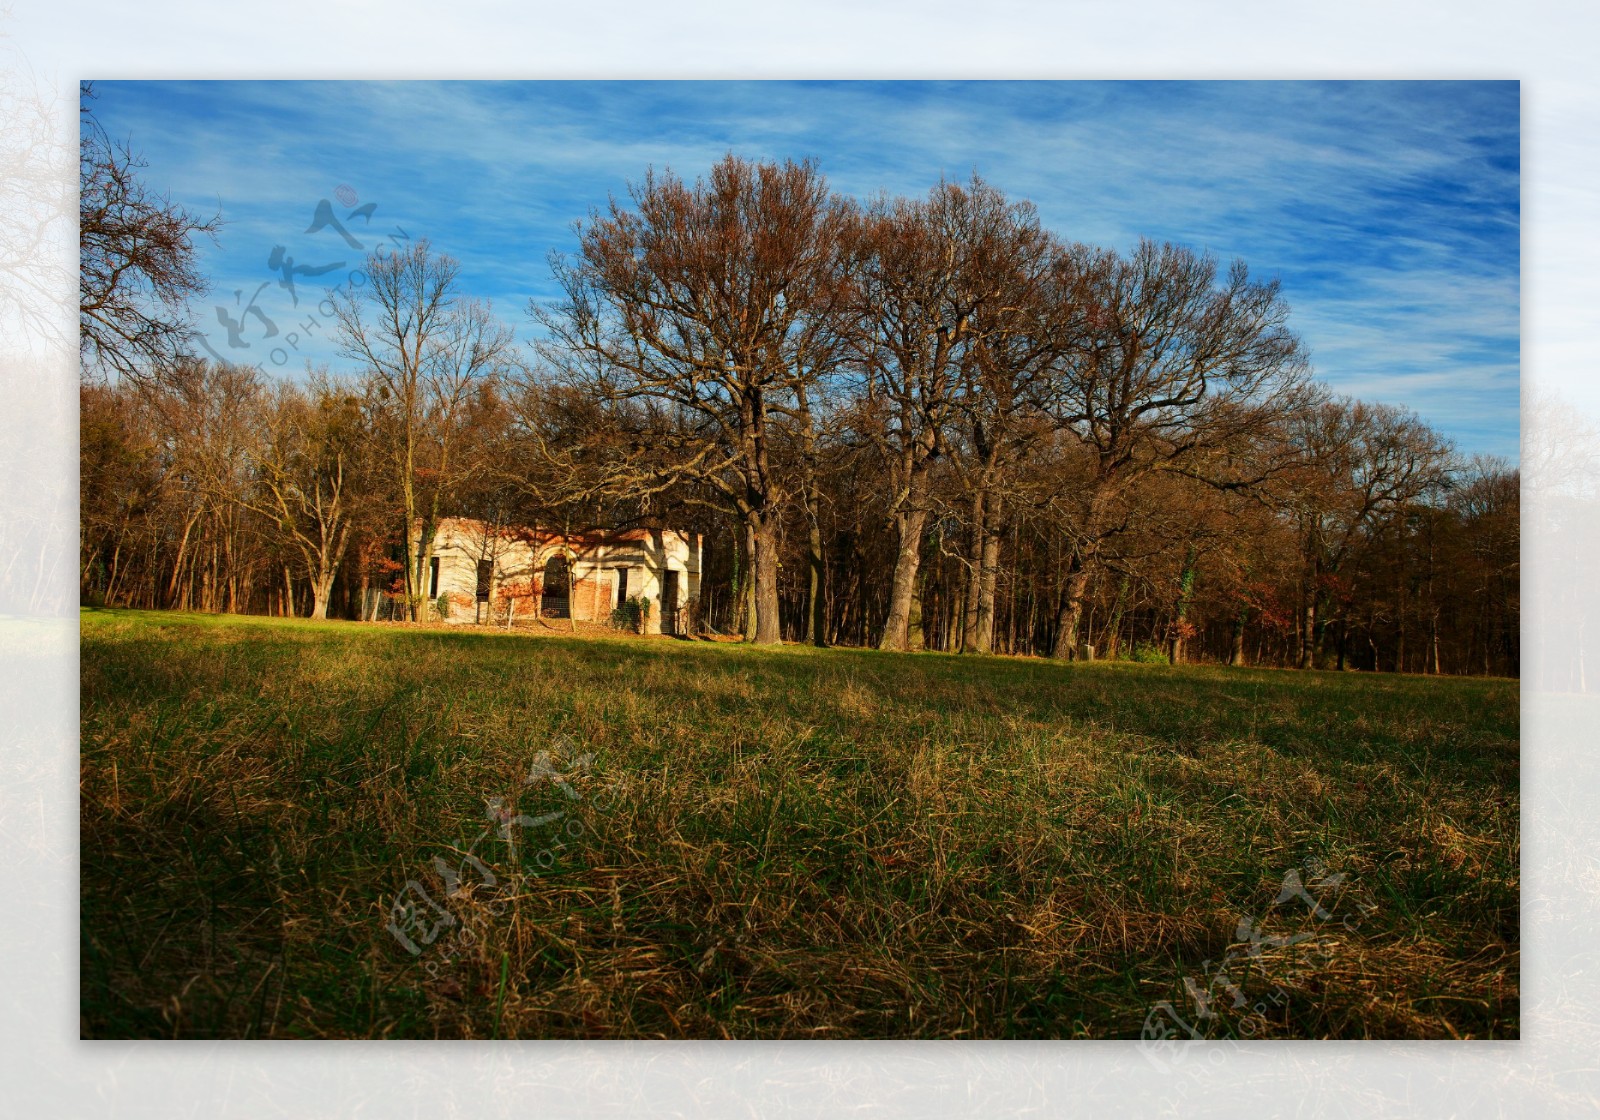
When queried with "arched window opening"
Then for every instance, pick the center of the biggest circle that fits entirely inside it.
(556, 601)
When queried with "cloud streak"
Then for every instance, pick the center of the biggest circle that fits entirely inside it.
(1389, 211)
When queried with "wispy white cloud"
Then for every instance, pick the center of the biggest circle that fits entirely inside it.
(1389, 211)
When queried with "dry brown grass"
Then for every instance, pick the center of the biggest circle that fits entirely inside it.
(773, 843)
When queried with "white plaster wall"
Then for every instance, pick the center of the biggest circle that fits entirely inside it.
(460, 544)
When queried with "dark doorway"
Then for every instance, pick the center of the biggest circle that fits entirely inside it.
(485, 579)
(556, 600)
(669, 602)
(480, 606)
(622, 588)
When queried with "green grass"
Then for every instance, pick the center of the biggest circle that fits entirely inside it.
(775, 842)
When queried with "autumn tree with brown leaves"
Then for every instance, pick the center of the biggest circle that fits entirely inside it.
(932, 279)
(693, 302)
(314, 470)
(1172, 362)
(1358, 463)
(917, 423)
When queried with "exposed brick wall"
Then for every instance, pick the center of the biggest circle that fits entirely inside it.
(584, 601)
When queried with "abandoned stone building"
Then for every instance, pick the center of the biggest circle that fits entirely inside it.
(501, 574)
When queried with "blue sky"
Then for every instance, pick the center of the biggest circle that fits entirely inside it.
(1389, 210)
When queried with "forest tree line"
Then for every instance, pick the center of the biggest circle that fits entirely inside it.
(904, 423)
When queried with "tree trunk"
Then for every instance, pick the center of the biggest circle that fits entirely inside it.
(817, 626)
(969, 614)
(765, 584)
(321, 592)
(1308, 631)
(816, 621)
(988, 578)
(367, 611)
(328, 571)
(1181, 619)
(413, 571)
(1071, 614)
(177, 564)
(419, 588)
(1319, 639)
(1400, 622)
(1114, 627)
(115, 573)
(897, 627)
(572, 587)
(747, 593)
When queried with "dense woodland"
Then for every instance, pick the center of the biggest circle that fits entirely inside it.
(904, 423)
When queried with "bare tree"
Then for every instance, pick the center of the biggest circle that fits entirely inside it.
(430, 355)
(1005, 371)
(202, 416)
(310, 474)
(120, 498)
(1358, 463)
(1173, 364)
(691, 305)
(137, 261)
(932, 276)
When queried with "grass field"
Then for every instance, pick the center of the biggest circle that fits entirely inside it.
(678, 839)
